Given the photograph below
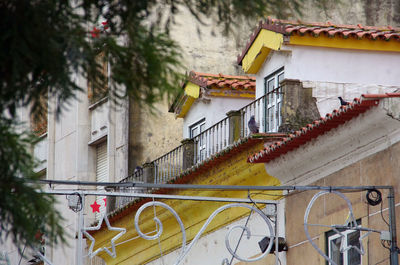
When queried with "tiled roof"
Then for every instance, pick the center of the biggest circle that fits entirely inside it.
(318, 127)
(316, 29)
(222, 81)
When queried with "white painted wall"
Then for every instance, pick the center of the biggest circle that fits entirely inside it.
(213, 111)
(334, 72)
(333, 65)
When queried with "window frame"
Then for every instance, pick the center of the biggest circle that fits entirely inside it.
(332, 235)
(201, 144)
(273, 100)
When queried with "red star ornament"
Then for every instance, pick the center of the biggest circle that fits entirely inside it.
(95, 207)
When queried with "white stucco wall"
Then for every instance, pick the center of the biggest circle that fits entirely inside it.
(333, 65)
(213, 111)
(334, 72)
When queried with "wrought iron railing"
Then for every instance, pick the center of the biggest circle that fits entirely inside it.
(256, 108)
(137, 177)
(211, 141)
(169, 165)
(201, 147)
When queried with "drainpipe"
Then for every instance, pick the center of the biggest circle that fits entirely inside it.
(394, 256)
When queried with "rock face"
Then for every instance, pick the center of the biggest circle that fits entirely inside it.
(365, 12)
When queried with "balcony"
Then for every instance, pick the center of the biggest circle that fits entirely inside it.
(195, 151)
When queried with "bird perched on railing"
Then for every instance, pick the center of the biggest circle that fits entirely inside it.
(343, 102)
(253, 125)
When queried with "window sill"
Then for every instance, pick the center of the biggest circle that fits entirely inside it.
(98, 103)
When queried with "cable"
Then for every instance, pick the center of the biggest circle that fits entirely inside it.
(280, 263)
(374, 197)
(241, 236)
(383, 244)
(382, 261)
(382, 215)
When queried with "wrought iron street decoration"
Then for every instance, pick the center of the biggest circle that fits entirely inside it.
(185, 249)
(112, 253)
(350, 224)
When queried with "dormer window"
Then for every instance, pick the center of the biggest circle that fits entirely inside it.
(273, 92)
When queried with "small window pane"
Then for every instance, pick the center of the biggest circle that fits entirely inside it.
(271, 84)
(280, 78)
(194, 132)
(278, 115)
(354, 258)
(335, 254)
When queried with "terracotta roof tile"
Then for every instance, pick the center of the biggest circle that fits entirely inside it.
(318, 127)
(317, 28)
(222, 81)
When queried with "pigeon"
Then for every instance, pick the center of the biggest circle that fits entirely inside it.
(253, 126)
(343, 102)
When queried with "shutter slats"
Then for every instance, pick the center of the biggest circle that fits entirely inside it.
(101, 174)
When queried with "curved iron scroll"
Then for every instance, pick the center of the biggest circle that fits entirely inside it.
(186, 249)
(350, 224)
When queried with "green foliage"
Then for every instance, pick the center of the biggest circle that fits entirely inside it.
(45, 45)
(24, 211)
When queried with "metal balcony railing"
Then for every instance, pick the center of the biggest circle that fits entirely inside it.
(194, 151)
(256, 108)
(169, 165)
(211, 141)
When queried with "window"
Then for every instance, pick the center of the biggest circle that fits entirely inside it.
(38, 118)
(194, 131)
(334, 244)
(98, 86)
(273, 105)
(101, 174)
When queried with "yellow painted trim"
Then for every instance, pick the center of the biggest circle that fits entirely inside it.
(226, 94)
(234, 171)
(265, 41)
(192, 91)
(349, 43)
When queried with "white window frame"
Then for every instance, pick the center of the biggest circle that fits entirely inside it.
(345, 242)
(200, 126)
(273, 101)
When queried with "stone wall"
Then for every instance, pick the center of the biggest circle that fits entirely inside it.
(365, 12)
(379, 169)
(298, 107)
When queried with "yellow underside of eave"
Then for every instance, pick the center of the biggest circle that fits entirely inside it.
(192, 91)
(235, 171)
(232, 95)
(265, 41)
(349, 43)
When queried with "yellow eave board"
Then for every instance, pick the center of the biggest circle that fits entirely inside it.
(349, 43)
(265, 41)
(234, 171)
(192, 91)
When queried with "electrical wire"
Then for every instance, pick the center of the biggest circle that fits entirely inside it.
(382, 214)
(383, 244)
(280, 263)
(241, 236)
(385, 259)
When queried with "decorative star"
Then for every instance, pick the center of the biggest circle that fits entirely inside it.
(96, 207)
(106, 249)
(105, 201)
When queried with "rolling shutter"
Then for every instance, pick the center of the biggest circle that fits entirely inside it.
(101, 174)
